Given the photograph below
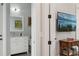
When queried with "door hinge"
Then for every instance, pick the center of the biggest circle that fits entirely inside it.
(49, 16)
(1, 4)
(49, 42)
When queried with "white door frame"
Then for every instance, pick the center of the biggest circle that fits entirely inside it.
(36, 29)
(53, 30)
(6, 29)
(45, 30)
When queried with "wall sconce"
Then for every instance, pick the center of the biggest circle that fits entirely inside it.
(15, 9)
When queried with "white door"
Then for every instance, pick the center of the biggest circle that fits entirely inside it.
(48, 30)
(36, 29)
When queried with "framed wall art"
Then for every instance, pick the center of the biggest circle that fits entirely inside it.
(65, 22)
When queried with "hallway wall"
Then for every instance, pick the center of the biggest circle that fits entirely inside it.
(66, 8)
(77, 14)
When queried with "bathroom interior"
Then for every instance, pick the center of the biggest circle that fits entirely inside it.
(20, 29)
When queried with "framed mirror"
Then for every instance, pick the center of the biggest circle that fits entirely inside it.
(16, 23)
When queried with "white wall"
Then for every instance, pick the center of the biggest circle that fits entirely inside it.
(77, 14)
(65, 35)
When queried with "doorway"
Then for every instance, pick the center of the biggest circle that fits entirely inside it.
(20, 29)
(16, 28)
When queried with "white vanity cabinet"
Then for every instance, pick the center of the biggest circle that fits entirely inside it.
(19, 45)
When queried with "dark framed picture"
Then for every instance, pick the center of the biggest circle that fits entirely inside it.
(65, 22)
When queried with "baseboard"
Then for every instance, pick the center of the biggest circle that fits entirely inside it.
(19, 53)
